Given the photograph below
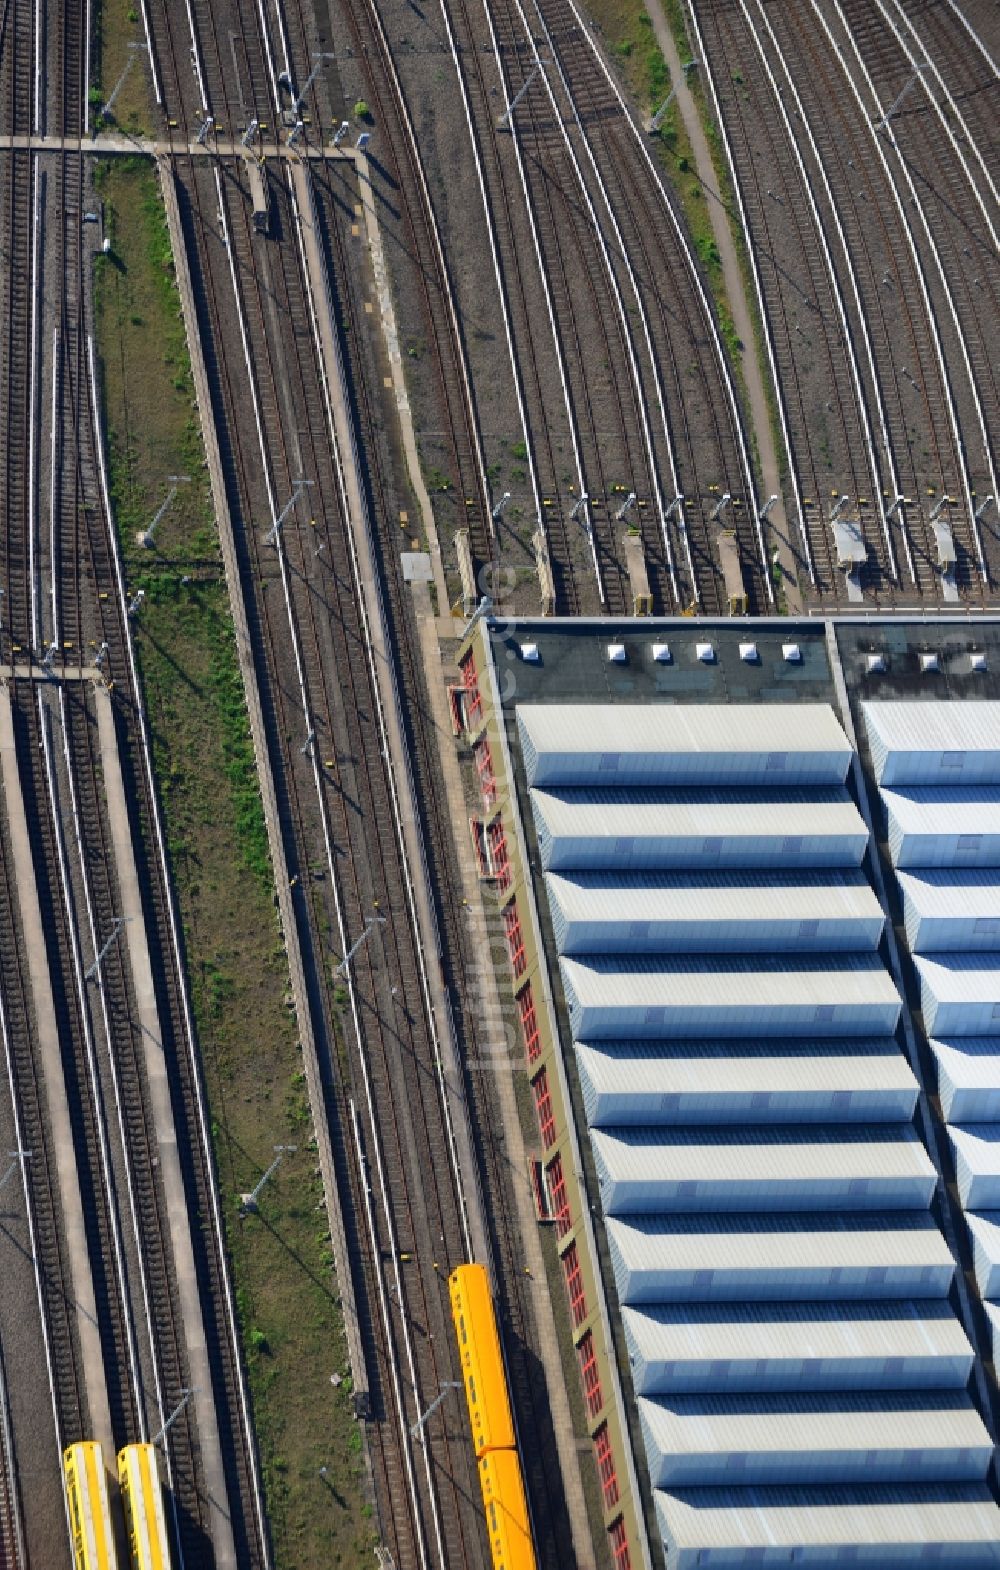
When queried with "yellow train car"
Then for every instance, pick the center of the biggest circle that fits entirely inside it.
(90, 1519)
(506, 1511)
(482, 1365)
(142, 1501)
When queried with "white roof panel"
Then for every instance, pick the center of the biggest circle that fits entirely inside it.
(778, 1258)
(881, 1527)
(867, 1437)
(976, 1148)
(935, 742)
(641, 1170)
(686, 911)
(933, 827)
(757, 1082)
(968, 1077)
(728, 1347)
(950, 909)
(647, 743)
(622, 996)
(984, 1229)
(644, 830)
(959, 994)
(954, 892)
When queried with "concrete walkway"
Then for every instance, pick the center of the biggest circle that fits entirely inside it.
(777, 522)
(108, 143)
(391, 337)
(175, 1201)
(49, 1057)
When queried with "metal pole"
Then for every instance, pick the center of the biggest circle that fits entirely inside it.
(925, 66)
(980, 510)
(310, 79)
(771, 500)
(248, 1202)
(136, 601)
(16, 1157)
(186, 1395)
(448, 1384)
(482, 609)
(370, 924)
(202, 136)
(838, 508)
(250, 134)
(95, 967)
(501, 504)
(341, 132)
(660, 115)
(175, 480)
(49, 656)
(133, 48)
(625, 507)
(505, 117)
(273, 532)
(723, 501)
(578, 507)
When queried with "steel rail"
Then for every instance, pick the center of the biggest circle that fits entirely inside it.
(307, 715)
(974, 36)
(953, 106)
(444, 276)
(29, 1210)
(848, 337)
(116, 1084)
(498, 275)
(959, 445)
(574, 432)
(725, 370)
(772, 359)
(201, 1117)
(397, 699)
(626, 330)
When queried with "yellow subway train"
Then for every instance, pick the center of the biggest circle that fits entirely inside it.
(89, 1513)
(491, 1419)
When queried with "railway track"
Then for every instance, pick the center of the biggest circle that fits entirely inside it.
(522, 286)
(882, 243)
(696, 415)
(959, 212)
(62, 594)
(896, 457)
(328, 807)
(811, 334)
(534, 1421)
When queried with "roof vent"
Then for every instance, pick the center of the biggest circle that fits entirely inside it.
(874, 662)
(978, 660)
(529, 652)
(663, 656)
(705, 652)
(929, 662)
(792, 653)
(616, 653)
(748, 652)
